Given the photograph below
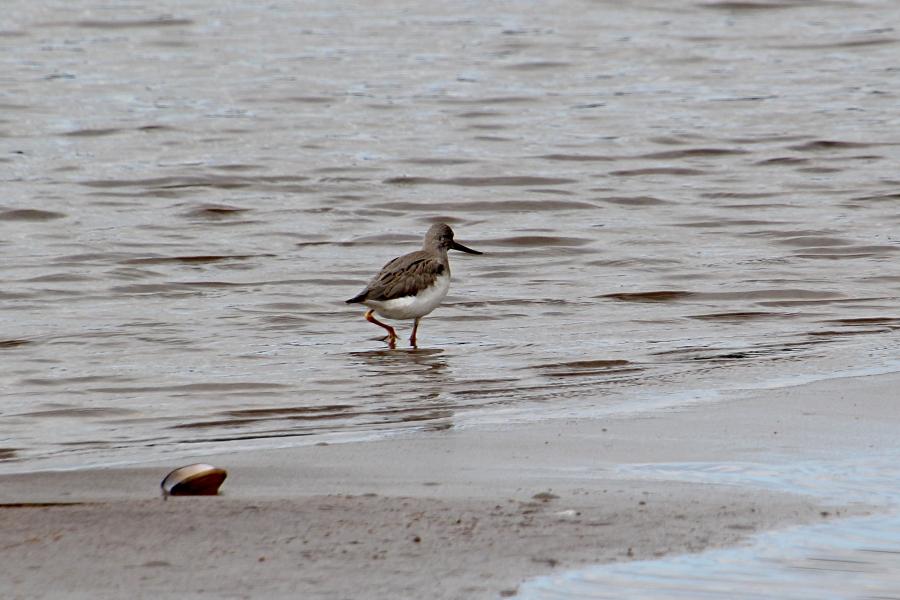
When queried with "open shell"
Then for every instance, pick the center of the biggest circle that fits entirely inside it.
(194, 480)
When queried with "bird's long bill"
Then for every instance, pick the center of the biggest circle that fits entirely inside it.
(461, 248)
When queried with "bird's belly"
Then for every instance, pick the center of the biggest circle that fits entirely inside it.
(413, 307)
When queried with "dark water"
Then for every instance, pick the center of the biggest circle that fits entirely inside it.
(674, 199)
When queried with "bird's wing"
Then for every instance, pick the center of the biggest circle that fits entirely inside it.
(405, 276)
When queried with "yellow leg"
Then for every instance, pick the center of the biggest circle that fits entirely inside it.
(412, 338)
(392, 335)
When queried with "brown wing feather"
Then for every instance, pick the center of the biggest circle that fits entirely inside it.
(404, 276)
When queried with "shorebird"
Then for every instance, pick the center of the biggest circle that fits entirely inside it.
(412, 285)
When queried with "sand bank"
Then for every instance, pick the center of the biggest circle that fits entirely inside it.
(453, 514)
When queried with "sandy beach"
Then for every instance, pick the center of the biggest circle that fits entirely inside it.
(454, 514)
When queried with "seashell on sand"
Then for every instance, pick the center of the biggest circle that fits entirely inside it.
(193, 480)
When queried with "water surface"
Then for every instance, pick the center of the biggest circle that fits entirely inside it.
(843, 559)
(675, 199)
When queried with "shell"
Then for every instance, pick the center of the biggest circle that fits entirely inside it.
(194, 480)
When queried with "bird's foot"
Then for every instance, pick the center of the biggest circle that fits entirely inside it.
(391, 336)
(390, 341)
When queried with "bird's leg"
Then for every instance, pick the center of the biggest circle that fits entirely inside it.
(412, 338)
(392, 335)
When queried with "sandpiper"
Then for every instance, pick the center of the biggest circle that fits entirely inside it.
(412, 285)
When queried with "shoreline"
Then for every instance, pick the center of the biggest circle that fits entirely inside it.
(458, 513)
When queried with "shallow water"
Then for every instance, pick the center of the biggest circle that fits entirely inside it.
(853, 559)
(674, 199)
(856, 558)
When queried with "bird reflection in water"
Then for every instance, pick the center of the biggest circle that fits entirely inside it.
(408, 385)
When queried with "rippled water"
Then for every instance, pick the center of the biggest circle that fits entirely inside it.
(673, 198)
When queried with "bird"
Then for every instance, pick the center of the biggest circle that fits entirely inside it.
(412, 285)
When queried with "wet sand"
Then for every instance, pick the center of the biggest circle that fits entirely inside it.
(462, 513)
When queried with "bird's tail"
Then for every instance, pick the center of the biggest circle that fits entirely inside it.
(357, 298)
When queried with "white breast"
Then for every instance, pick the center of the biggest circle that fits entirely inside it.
(412, 307)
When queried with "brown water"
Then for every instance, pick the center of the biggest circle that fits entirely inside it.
(674, 199)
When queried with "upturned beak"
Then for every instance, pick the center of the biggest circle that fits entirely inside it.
(457, 246)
